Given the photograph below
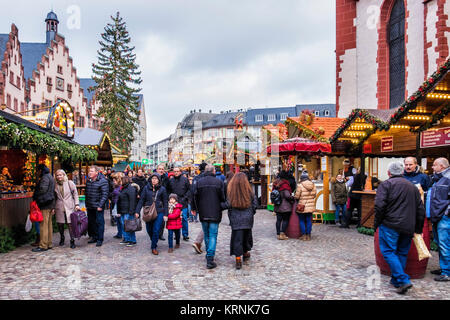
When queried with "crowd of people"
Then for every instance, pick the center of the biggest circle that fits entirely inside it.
(176, 199)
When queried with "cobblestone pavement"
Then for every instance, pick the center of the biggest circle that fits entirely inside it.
(336, 264)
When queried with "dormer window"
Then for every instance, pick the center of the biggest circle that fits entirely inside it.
(284, 116)
(317, 113)
(259, 118)
(327, 113)
(271, 117)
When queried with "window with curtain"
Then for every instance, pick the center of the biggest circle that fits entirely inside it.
(397, 55)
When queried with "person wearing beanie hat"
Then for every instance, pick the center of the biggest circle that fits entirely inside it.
(173, 195)
(154, 192)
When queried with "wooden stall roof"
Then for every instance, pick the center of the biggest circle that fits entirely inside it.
(98, 141)
(427, 107)
(320, 128)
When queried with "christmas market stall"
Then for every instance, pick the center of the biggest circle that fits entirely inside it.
(23, 145)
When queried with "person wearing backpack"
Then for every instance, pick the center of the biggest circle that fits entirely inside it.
(44, 195)
(66, 202)
(282, 206)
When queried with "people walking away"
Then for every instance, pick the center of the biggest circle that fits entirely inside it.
(242, 204)
(44, 195)
(339, 198)
(154, 192)
(66, 202)
(174, 221)
(117, 183)
(97, 191)
(209, 201)
(399, 213)
(440, 216)
(412, 173)
(306, 195)
(126, 208)
(282, 207)
(181, 187)
(165, 183)
(355, 198)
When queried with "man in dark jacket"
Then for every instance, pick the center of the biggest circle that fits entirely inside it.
(165, 183)
(140, 180)
(44, 195)
(358, 184)
(209, 201)
(399, 213)
(440, 216)
(182, 188)
(339, 197)
(413, 174)
(97, 191)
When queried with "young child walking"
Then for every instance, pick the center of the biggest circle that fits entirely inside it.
(174, 221)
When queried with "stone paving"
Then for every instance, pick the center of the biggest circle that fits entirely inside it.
(336, 264)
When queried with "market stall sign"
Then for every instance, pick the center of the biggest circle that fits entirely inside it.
(367, 148)
(387, 144)
(435, 138)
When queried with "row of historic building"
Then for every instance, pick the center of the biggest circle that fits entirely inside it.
(36, 75)
(199, 135)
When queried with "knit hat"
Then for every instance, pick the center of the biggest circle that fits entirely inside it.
(304, 176)
(173, 195)
(156, 175)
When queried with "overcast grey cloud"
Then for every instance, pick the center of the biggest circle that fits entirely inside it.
(203, 54)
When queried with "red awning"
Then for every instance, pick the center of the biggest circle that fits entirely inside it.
(300, 145)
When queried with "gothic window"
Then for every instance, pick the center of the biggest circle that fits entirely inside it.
(397, 55)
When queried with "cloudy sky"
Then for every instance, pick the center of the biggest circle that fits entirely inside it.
(202, 54)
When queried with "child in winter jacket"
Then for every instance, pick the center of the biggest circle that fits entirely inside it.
(174, 221)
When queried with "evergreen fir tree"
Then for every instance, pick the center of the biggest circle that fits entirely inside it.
(117, 77)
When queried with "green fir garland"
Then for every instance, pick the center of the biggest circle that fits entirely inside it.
(18, 136)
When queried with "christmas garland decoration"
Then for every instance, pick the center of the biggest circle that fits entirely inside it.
(421, 93)
(435, 118)
(18, 136)
(362, 114)
(306, 132)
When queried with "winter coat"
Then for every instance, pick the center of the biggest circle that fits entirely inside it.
(146, 199)
(287, 199)
(115, 196)
(174, 218)
(440, 196)
(66, 204)
(127, 200)
(141, 182)
(209, 198)
(182, 188)
(306, 194)
(241, 219)
(44, 193)
(399, 206)
(220, 176)
(339, 192)
(418, 177)
(97, 192)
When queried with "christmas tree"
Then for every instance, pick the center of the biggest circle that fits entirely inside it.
(117, 77)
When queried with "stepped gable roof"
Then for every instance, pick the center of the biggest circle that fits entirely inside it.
(223, 120)
(31, 55)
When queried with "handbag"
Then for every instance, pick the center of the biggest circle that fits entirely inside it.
(300, 208)
(132, 225)
(150, 212)
(35, 213)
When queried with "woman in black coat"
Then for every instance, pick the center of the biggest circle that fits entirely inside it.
(126, 207)
(154, 192)
(242, 205)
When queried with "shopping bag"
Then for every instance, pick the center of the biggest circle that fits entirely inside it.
(28, 224)
(132, 225)
(35, 213)
(421, 247)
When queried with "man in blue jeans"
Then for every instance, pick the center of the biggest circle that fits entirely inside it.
(97, 191)
(399, 213)
(439, 212)
(209, 201)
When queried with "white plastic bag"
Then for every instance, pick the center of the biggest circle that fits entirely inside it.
(28, 224)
